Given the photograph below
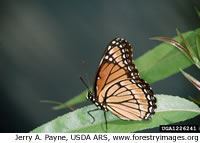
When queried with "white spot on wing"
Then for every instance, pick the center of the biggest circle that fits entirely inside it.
(133, 81)
(109, 47)
(129, 68)
(147, 116)
(150, 109)
(140, 85)
(125, 62)
(148, 97)
(113, 42)
(124, 56)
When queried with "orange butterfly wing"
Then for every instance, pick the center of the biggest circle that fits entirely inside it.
(118, 85)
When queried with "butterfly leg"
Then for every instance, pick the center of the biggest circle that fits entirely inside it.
(106, 121)
(91, 114)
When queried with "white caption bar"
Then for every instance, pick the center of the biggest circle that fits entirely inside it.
(99, 137)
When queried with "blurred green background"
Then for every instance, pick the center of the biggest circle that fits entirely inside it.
(43, 44)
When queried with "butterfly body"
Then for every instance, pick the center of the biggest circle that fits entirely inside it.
(118, 87)
(101, 106)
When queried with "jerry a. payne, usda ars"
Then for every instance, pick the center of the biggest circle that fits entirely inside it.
(61, 137)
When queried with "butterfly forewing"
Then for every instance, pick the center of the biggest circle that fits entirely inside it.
(118, 85)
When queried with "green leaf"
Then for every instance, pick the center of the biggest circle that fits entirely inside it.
(198, 45)
(157, 64)
(189, 48)
(193, 80)
(171, 109)
(164, 60)
(176, 44)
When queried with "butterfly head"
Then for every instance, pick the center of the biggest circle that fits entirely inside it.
(89, 96)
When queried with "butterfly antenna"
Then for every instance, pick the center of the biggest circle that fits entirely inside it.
(84, 83)
(88, 80)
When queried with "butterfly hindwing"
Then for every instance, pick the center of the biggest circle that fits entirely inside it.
(130, 101)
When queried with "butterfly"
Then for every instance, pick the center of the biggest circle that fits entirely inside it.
(118, 87)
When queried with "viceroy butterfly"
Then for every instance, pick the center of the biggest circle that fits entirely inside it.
(118, 87)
